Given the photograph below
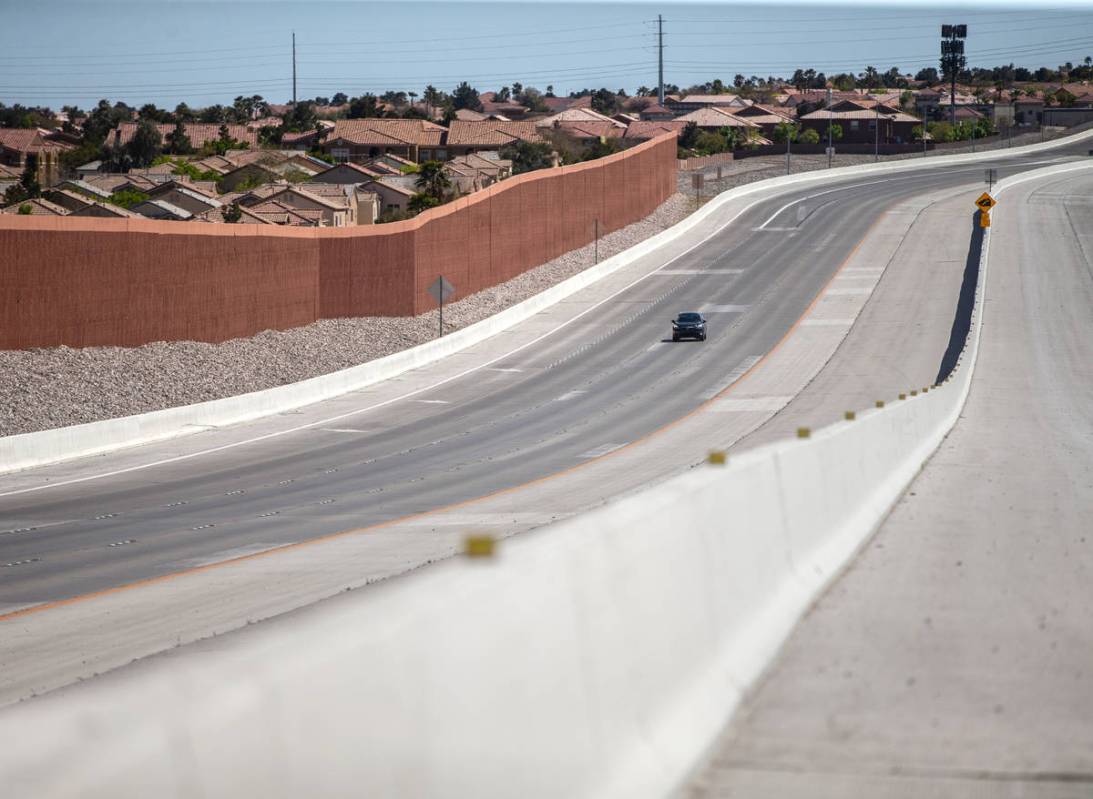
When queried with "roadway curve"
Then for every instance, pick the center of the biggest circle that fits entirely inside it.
(601, 381)
(953, 659)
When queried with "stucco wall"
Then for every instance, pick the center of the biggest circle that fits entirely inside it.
(87, 281)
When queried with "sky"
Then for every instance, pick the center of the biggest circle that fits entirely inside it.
(204, 51)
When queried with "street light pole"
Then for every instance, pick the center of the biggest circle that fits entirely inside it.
(829, 128)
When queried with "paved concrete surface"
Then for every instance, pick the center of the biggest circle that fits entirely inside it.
(604, 381)
(955, 656)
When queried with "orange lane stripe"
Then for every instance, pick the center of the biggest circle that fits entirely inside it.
(15, 614)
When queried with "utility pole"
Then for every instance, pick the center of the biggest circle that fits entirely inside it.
(294, 67)
(660, 60)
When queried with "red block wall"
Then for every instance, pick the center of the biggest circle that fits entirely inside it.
(89, 281)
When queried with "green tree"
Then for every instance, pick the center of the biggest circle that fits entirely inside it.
(232, 213)
(528, 156)
(810, 136)
(145, 145)
(689, 135)
(605, 102)
(339, 99)
(836, 131)
(26, 209)
(178, 143)
(433, 181)
(421, 202)
(364, 107)
(466, 96)
(709, 143)
(786, 130)
(601, 148)
(127, 198)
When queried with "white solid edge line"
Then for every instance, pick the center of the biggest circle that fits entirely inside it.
(471, 370)
(414, 393)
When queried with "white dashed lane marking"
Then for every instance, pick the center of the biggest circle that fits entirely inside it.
(733, 376)
(601, 451)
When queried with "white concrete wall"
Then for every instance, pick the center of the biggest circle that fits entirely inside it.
(50, 446)
(596, 658)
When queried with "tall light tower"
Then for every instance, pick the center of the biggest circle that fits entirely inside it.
(953, 61)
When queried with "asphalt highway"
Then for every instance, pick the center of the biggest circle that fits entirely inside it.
(606, 380)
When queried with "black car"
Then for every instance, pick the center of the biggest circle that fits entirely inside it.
(689, 325)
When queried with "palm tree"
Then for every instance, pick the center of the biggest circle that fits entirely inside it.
(433, 181)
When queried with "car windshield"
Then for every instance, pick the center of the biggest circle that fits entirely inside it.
(690, 317)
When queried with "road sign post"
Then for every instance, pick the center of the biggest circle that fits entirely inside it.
(441, 290)
(991, 176)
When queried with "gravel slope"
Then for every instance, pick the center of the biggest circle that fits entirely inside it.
(61, 386)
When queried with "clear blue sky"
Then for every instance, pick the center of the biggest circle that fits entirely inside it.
(200, 52)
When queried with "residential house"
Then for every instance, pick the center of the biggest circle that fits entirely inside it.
(106, 210)
(95, 191)
(1028, 110)
(467, 115)
(394, 192)
(578, 115)
(715, 118)
(90, 168)
(39, 149)
(860, 124)
(766, 117)
(642, 131)
(68, 199)
(183, 196)
(655, 112)
(161, 209)
(246, 216)
(331, 211)
(470, 137)
(199, 134)
(694, 102)
(38, 207)
(588, 132)
(360, 139)
(510, 109)
(279, 213)
(347, 173)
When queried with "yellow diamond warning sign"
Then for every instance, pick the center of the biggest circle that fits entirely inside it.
(986, 202)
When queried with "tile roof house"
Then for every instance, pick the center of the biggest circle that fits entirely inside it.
(859, 123)
(468, 137)
(360, 139)
(510, 109)
(655, 112)
(40, 149)
(246, 217)
(467, 115)
(199, 133)
(348, 173)
(279, 213)
(693, 102)
(394, 192)
(714, 118)
(38, 207)
(183, 196)
(67, 199)
(330, 210)
(106, 210)
(577, 115)
(590, 131)
(766, 117)
(161, 209)
(641, 131)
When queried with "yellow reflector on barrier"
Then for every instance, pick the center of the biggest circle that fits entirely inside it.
(803, 432)
(716, 457)
(479, 546)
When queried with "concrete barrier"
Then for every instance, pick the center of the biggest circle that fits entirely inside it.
(50, 446)
(598, 658)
